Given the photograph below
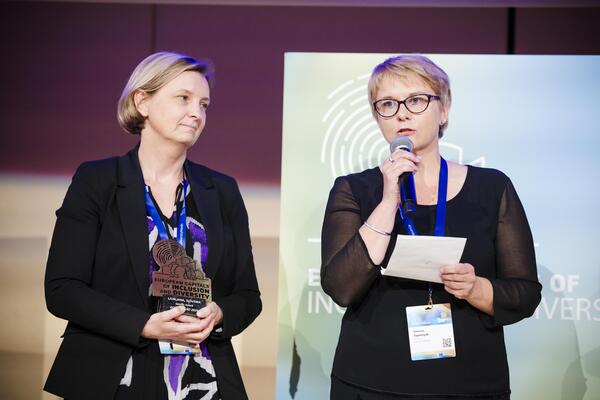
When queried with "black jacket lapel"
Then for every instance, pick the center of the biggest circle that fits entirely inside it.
(208, 204)
(132, 210)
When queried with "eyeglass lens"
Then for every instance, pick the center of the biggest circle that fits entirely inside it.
(415, 104)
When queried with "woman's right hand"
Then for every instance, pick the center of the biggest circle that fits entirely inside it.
(165, 325)
(396, 164)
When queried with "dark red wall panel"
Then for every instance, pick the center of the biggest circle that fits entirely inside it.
(64, 66)
(557, 31)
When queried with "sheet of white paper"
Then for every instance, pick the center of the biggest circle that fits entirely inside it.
(420, 257)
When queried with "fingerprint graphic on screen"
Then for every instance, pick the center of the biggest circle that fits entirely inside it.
(353, 142)
(454, 152)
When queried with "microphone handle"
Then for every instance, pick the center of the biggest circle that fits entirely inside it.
(408, 194)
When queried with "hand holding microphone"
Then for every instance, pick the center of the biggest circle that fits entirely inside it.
(398, 170)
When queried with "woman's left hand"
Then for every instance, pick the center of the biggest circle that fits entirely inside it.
(211, 311)
(460, 280)
(211, 314)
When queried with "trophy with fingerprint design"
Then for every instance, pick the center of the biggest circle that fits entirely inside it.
(179, 280)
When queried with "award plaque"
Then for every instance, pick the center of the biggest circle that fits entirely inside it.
(179, 280)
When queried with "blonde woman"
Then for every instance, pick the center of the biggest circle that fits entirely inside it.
(98, 275)
(383, 350)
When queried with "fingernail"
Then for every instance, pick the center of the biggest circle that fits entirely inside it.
(418, 158)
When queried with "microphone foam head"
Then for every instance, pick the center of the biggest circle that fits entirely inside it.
(401, 142)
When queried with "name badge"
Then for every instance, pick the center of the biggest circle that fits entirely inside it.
(430, 332)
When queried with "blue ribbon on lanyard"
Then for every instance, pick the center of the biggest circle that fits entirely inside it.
(160, 225)
(440, 211)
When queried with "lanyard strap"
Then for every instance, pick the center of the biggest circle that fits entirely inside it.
(160, 225)
(440, 212)
(440, 215)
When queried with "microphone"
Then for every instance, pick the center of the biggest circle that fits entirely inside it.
(406, 181)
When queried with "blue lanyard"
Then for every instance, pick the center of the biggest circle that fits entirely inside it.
(160, 225)
(440, 212)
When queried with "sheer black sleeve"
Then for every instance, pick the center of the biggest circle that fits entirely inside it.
(347, 271)
(517, 291)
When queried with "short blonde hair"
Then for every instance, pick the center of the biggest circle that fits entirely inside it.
(411, 65)
(154, 72)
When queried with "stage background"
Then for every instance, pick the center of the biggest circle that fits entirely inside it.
(530, 117)
(64, 66)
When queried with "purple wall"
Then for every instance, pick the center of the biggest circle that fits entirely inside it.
(66, 63)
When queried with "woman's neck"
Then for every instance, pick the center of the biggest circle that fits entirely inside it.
(429, 167)
(161, 161)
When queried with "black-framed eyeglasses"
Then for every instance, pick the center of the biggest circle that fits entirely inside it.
(416, 104)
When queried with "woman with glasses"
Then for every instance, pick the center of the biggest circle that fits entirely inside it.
(135, 240)
(408, 339)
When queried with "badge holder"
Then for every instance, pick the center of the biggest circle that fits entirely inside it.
(430, 331)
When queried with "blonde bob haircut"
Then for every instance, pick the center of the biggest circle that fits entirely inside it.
(408, 66)
(154, 72)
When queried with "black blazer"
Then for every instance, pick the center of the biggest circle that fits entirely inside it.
(97, 274)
